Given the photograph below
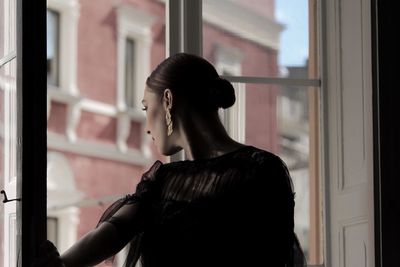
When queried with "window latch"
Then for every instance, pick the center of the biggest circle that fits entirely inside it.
(5, 200)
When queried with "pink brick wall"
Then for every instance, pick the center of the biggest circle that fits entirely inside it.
(98, 178)
(57, 119)
(257, 60)
(135, 136)
(97, 127)
(97, 51)
(261, 117)
(97, 62)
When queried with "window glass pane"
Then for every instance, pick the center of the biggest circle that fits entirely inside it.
(282, 120)
(98, 149)
(7, 28)
(8, 133)
(257, 38)
(8, 157)
(53, 29)
(129, 72)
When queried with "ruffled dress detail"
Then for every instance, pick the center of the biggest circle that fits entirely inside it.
(232, 210)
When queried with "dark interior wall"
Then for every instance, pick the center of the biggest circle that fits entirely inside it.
(386, 132)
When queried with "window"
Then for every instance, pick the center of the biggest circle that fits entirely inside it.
(53, 47)
(130, 74)
(281, 111)
(9, 149)
(62, 36)
(95, 132)
(277, 102)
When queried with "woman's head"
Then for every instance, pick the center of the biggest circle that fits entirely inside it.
(195, 80)
(183, 84)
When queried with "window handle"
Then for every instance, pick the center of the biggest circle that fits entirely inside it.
(5, 200)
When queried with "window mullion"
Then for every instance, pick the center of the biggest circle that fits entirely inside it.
(274, 80)
(192, 27)
(184, 33)
(184, 26)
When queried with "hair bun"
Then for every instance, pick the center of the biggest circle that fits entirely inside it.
(222, 93)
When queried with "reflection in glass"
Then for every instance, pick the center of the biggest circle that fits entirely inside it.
(53, 54)
(8, 157)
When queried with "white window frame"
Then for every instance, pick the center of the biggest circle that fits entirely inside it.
(55, 64)
(134, 24)
(130, 93)
(68, 33)
(8, 132)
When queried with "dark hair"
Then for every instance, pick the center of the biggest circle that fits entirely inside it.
(193, 78)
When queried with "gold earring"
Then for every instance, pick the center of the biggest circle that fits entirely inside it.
(169, 122)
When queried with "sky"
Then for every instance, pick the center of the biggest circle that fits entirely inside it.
(294, 38)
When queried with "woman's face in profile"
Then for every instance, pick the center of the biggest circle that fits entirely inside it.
(155, 119)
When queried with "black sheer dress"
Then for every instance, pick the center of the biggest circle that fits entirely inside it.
(232, 210)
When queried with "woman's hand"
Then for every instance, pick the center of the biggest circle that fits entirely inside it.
(48, 256)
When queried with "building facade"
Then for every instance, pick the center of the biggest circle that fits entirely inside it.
(99, 55)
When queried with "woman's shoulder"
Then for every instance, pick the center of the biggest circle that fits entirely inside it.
(249, 152)
(150, 173)
(265, 157)
(247, 156)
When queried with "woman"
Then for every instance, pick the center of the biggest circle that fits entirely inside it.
(228, 204)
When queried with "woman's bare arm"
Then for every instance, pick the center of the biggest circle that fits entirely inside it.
(104, 241)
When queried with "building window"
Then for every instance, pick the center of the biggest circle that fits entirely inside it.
(53, 47)
(130, 73)
(62, 38)
(133, 52)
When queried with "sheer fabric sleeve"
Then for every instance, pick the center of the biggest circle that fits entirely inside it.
(129, 214)
(281, 201)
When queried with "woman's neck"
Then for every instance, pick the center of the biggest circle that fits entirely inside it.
(205, 137)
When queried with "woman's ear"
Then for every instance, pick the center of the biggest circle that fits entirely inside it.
(168, 98)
